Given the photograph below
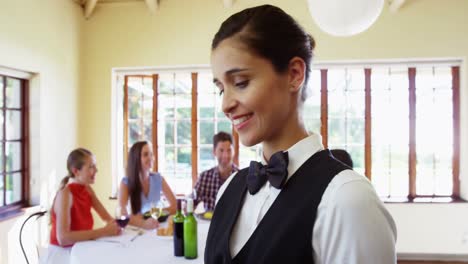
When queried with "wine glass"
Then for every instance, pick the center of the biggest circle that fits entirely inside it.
(156, 209)
(121, 217)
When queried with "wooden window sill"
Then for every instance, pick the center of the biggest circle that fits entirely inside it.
(422, 200)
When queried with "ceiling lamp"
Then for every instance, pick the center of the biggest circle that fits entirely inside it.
(345, 17)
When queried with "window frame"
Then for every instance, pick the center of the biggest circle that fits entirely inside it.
(194, 123)
(412, 195)
(454, 63)
(7, 210)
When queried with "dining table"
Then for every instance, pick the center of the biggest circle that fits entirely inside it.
(134, 246)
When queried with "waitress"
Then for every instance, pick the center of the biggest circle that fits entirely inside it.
(299, 205)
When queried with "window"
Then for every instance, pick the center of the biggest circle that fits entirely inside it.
(390, 148)
(13, 148)
(175, 129)
(162, 107)
(382, 114)
(346, 109)
(400, 125)
(211, 120)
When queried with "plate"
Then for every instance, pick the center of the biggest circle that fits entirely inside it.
(164, 237)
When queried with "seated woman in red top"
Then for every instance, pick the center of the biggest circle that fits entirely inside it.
(71, 216)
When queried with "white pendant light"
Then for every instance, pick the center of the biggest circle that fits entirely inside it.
(345, 17)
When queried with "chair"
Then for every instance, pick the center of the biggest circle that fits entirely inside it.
(343, 156)
(38, 215)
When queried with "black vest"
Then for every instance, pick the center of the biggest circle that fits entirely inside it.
(284, 235)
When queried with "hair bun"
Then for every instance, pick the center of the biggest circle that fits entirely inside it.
(311, 42)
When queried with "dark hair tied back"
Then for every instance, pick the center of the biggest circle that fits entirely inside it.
(271, 33)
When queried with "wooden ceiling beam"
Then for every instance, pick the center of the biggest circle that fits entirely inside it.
(153, 5)
(228, 3)
(89, 7)
(395, 5)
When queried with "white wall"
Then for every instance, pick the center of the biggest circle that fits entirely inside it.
(43, 38)
(431, 229)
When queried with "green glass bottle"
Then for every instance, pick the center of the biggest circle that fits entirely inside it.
(190, 233)
(179, 231)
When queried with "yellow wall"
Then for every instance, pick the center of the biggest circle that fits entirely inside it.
(43, 37)
(127, 35)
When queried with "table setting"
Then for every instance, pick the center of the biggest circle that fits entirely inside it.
(136, 245)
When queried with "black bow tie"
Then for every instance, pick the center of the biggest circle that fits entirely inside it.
(276, 172)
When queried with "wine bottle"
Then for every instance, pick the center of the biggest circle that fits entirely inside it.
(179, 231)
(190, 233)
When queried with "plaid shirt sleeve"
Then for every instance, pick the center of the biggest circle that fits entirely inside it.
(206, 187)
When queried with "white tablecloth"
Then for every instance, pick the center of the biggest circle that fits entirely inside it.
(147, 248)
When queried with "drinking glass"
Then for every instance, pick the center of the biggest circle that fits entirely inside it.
(121, 217)
(156, 209)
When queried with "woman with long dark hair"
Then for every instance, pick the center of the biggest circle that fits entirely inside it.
(142, 187)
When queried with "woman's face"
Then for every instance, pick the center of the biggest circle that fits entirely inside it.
(256, 98)
(147, 158)
(87, 173)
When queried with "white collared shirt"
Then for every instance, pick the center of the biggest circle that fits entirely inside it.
(352, 224)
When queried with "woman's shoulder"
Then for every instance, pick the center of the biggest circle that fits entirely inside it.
(75, 187)
(64, 194)
(125, 180)
(64, 191)
(156, 175)
(350, 189)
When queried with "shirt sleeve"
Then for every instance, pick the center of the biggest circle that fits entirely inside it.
(198, 189)
(353, 226)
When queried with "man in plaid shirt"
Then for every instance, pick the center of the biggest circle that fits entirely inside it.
(208, 183)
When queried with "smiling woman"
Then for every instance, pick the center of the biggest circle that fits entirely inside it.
(71, 218)
(261, 64)
(142, 188)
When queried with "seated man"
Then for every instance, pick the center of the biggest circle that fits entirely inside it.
(208, 183)
(343, 156)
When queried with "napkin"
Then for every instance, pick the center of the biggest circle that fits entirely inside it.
(128, 234)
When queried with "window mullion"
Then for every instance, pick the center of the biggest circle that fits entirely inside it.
(25, 141)
(412, 132)
(456, 131)
(155, 121)
(125, 123)
(324, 107)
(368, 125)
(4, 141)
(235, 138)
(174, 106)
(194, 128)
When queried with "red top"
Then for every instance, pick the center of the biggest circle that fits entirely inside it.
(80, 212)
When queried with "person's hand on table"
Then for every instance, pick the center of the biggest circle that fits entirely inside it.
(150, 223)
(112, 229)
